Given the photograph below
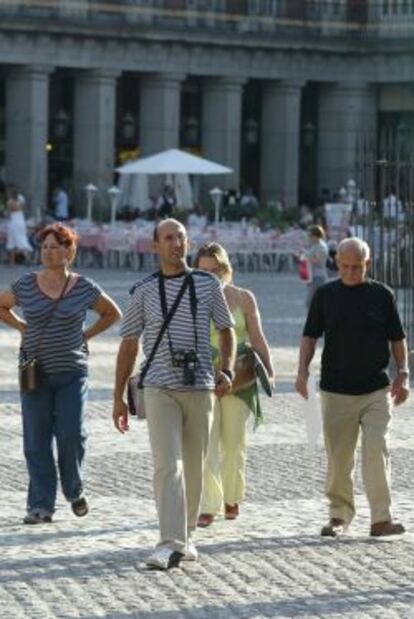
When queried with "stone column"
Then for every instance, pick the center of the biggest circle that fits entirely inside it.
(347, 135)
(159, 120)
(27, 113)
(280, 141)
(94, 129)
(221, 127)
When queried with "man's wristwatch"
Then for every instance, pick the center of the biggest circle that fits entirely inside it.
(229, 373)
(403, 372)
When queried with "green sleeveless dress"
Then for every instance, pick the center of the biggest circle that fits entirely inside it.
(250, 393)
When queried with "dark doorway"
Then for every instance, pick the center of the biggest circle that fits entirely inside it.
(308, 146)
(127, 118)
(190, 119)
(250, 138)
(60, 142)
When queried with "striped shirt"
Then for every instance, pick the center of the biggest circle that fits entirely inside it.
(59, 346)
(144, 316)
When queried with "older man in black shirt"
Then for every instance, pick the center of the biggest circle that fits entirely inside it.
(359, 320)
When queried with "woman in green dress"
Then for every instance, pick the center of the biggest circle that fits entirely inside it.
(224, 478)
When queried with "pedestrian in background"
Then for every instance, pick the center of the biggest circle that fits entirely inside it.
(17, 241)
(54, 302)
(317, 255)
(166, 202)
(359, 320)
(225, 476)
(179, 385)
(60, 201)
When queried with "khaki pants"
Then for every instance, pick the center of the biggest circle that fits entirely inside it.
(343, 416)
(224, 477)
(179, 424)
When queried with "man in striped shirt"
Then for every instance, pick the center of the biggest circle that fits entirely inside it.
(179, 385)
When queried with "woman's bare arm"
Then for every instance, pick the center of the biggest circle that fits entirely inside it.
(108, 312)
(10, 318)
(255, 330)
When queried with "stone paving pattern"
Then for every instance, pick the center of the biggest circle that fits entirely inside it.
(271, 562)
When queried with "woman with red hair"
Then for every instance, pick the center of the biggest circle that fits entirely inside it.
(54, 302)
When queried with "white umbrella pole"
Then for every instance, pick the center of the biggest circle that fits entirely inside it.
(196, 189)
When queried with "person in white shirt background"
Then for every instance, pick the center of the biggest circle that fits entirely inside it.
(60, 202)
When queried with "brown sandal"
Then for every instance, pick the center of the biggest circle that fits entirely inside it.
(382, 529)
(231, 511)
(205, 520)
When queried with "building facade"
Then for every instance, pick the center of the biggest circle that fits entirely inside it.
(294, 95)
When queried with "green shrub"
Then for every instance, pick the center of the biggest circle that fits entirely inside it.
(265, 216)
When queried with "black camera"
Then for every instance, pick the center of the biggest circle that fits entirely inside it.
(188, 360)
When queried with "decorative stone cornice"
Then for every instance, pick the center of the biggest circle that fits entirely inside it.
(205, 59)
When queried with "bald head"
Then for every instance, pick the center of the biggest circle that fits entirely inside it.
(166, 224)
(171, 245)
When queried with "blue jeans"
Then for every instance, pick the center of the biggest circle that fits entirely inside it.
(55, 410)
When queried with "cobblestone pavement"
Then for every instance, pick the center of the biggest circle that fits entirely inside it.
(271, 562)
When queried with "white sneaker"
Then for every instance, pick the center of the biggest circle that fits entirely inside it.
(164, 558)
(191, 553)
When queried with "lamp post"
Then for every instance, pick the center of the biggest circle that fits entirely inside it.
(128, 127)
(191, 131)
(113, 193)
(90, 192)
(251, 131)
(216, 196)
(308, 131)
(61, 124)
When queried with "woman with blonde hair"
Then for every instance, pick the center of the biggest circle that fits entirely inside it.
(224, 478)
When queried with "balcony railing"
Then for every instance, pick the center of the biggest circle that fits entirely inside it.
(337, 18)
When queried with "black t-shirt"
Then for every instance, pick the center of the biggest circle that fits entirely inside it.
(358, 322)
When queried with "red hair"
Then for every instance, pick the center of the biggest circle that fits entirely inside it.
(63, 234)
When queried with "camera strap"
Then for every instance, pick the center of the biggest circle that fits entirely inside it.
(167, 319)
(193, 305)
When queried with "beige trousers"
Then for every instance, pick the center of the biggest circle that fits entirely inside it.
(179, 424)
(224, 474)
(343, 417)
